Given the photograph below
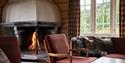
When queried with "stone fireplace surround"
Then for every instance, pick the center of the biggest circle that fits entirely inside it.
(22, 16)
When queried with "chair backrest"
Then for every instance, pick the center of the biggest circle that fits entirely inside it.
(57, 43)
(10, 47)
(118, 44)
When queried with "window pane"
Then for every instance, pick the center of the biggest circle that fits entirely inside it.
(99, 1)
(106, 0)
(106, 7)
(99, 19)
(85, 17)
(85, 2)
(102, 16)
(99, 28)
(106, 28)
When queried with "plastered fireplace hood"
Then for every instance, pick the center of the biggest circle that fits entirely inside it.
(31, 11)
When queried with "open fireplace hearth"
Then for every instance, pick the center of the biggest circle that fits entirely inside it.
(31, 36)
(30, 21)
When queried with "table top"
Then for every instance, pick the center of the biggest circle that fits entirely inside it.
(109, 60)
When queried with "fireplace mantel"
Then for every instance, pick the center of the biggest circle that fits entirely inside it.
(31, 24)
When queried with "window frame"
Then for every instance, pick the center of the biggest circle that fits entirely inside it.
(113, 21)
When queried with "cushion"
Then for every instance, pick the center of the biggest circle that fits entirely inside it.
(99, 43)
(119, 44)
(108, 45)
(77, 59)
(3, 57)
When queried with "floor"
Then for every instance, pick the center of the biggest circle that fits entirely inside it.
(33, 62)
(29, 62)
(31, 56)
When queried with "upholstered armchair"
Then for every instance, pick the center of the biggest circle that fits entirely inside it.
(60, 50)
(10, 47)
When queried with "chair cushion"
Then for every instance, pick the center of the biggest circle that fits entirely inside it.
(119, 45)
(122, 56)
(77, 59)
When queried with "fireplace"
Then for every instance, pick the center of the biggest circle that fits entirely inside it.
(24, 31)
(32, 37)
(25, 18)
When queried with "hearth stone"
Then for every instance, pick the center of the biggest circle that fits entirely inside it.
(32, 57)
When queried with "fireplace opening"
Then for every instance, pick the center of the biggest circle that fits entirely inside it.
(31, 42)
(35, 45)
(29, 38)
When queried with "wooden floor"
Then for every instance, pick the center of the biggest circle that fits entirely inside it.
(30, 62)
(33, 62)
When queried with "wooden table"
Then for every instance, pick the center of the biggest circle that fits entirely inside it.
(109, 60)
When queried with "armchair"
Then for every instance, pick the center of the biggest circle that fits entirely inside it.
(10, 47)
(60, 51)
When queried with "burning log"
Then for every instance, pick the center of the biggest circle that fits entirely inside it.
(35, 43)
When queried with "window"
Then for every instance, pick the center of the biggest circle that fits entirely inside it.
(99, 17)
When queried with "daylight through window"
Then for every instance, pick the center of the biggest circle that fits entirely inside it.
(99, 17)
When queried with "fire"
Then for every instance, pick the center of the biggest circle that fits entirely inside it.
(35, 42)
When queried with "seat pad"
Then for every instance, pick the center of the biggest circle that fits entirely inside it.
(77, 59)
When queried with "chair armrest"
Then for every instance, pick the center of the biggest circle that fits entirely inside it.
(58, 55)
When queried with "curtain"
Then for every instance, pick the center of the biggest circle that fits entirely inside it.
(122, 18)
(74, 18)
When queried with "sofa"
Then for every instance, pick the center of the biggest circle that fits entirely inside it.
(119, 48)
(101, 46)
(10, 47)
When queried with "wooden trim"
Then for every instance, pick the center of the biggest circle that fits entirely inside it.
(46, 49)
(58, 55)
(70, 52)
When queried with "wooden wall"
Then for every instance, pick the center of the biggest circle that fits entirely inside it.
(2, 3)
(63, 8)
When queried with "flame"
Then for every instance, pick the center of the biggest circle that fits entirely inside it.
(35, 42)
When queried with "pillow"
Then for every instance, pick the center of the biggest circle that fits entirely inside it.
(108, 45)
(88, 43)
(3, 57)
(98, 43)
